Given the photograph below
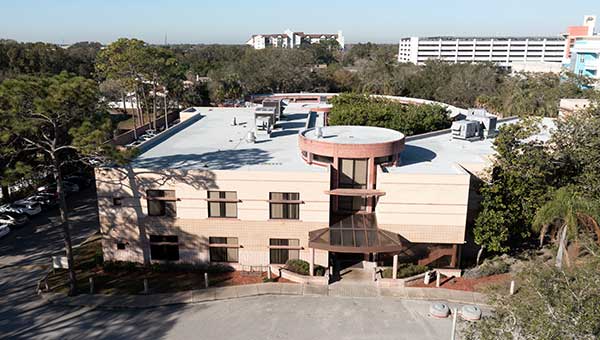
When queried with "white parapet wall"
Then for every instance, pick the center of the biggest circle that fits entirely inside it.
(298, 278)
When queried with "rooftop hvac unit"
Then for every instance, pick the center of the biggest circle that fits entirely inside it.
(487, 120)
(466, 130)
(277, 104)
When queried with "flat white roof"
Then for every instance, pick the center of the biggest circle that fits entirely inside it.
(440, 153)
(343, 134)
(210, 141)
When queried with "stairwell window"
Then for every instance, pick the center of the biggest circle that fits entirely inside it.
(222, 204)
(162, 203)
(164, 247)
(281, 250)
(223, 249)
(284, 205)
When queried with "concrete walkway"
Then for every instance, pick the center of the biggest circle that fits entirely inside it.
(233, 292)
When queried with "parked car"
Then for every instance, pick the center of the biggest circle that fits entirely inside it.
(133, 144)
(13, 220)
(22, 207)
(146, 137)
(45, 199)
(4, 230)
(68, 186)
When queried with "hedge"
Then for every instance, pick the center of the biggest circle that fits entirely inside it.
(405, 270)
(302, 267)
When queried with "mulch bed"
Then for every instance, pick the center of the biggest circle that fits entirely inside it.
(470, 285)
(131, 281)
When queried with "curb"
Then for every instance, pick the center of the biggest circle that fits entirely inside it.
(261, 289)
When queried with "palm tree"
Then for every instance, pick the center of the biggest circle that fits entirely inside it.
(567, 215)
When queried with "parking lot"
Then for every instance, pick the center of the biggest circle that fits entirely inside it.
(24, 256)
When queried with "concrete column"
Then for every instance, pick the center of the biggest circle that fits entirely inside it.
(395, 267)
(454, 259)
(371, 182)
(311, 267)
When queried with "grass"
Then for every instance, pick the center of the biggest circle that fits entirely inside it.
(129, 278)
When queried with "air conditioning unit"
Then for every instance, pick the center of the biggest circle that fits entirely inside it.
(466, 130)
(487, 120)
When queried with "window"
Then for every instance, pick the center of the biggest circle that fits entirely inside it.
(284, 205)
(322, 159)
(161, 203)
(282, 250)
(117, 201)
(352, 203)
(222, 204)
(164, 247)
(384, 160)
(223, 249)
(353, 173)
(120, 245)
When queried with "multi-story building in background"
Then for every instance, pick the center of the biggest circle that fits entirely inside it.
(291, 39)
(583, 49)
(541, 52)
(577, 50)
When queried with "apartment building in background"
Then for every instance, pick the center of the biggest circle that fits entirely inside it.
(583, 55)
(259, 186)
(291, 39)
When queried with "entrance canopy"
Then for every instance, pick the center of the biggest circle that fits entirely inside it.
(357, 233)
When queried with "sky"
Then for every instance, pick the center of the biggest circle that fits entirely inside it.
(234, 21)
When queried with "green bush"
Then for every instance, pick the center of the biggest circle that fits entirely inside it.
(302, 267)
(405, 270)
(113, 266)
(494, 267)
(360, 109)
(190, 267)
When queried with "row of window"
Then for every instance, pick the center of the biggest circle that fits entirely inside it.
(282, 205)
(223, 249)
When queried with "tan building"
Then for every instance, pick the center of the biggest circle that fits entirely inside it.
(251, 187)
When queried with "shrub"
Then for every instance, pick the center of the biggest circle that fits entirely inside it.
(190, 267)
(360, 109)
(302, 267)
(113, 266)
(493, 266)
(406, 270)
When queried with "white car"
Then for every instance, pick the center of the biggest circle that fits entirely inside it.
(4, 230)
(67, 186)
(22, 207)
(13, 220)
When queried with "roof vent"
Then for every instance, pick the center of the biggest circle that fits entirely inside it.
(319, 131)
(251, 137)
(234, 122)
